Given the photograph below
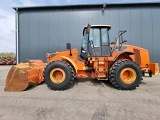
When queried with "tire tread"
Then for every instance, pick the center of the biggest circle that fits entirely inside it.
(113, 71)
(72, 74)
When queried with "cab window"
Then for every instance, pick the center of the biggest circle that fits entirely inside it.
(104, 32)
(95, 36)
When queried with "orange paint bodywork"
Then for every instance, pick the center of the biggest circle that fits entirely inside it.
(73, 59)
(24, 75)
(101, 65)
(141, 56)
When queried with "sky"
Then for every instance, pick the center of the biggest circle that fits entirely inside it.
(7, 16)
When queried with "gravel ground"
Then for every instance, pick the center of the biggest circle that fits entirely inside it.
(85, 100)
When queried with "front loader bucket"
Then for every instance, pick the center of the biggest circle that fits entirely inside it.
(25, 75)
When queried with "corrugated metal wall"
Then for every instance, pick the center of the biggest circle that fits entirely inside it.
(48, 30)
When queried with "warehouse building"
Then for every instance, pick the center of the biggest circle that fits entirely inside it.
(47, 29)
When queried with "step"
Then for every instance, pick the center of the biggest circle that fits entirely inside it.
(101, 70)
(102, 79)
(101, 63)
(101, 74)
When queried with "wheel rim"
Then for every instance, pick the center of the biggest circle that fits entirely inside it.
(57, 75)
(128, 75)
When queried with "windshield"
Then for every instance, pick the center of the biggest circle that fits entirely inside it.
(85, 42)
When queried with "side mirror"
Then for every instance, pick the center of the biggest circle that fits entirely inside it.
(68, 45)
(124, 41)
(112, 43)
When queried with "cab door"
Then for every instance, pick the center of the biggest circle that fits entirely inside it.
(105, 42)
(100, 39)
(95, 42)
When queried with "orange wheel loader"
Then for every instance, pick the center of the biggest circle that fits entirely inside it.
(123, 65)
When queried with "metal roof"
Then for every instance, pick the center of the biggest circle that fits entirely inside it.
(106, 26)
(102, 5)
(98, 26)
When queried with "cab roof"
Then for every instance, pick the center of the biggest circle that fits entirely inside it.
(101, 26)
(98, 26)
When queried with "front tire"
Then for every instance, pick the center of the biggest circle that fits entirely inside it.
(125, 74)
(58, 75)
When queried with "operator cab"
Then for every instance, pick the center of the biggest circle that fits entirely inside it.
(96, 41)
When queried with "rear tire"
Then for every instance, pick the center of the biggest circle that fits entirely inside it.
(58, 75)
(125, 74)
